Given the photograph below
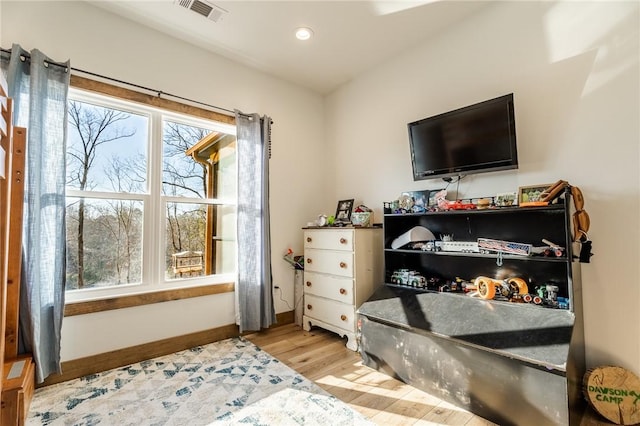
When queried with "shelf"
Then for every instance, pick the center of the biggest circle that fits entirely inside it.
(463, 294)
(518, 224)
(500, 210)
(478, 255)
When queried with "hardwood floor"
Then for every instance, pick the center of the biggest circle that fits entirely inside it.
(321, 356)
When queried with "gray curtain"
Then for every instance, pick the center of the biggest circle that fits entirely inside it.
(254, 293)
(40, 89)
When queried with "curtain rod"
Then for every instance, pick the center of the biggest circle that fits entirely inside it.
(159, 92)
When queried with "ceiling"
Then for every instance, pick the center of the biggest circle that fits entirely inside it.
(350, 37)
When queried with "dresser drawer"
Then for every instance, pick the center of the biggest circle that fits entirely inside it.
(329, 311)
(329, 239)
(329, 262)
(329, 286)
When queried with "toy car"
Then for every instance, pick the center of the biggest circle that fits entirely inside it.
(553, 249)
(409, 278)
(550, 250)
(459, 205)
(432, 246)
(511, 288)
(455, 286)
(549, 295)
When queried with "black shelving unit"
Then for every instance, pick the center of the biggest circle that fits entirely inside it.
(512, 363)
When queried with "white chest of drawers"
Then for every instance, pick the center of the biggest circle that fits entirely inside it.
(343, 266)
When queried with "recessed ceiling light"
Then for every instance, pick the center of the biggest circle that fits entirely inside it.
(303, 33)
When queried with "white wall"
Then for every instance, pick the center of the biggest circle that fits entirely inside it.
(573, 69)
(98, 41)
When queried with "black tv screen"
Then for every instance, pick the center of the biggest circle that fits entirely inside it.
(474, 139)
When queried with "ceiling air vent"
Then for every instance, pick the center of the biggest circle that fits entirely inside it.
(204, 8)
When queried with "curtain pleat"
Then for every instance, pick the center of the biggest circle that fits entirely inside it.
(254, 293)
(40, 93)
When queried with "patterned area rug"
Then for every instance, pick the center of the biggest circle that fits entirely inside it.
(223, 383)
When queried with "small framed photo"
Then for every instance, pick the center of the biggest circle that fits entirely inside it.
(531, 195)
(505, 199)
(343, 211)
(420, 199)
(432, 197)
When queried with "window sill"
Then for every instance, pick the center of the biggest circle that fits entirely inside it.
(129, 301)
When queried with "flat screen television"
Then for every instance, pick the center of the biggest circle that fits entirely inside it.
(474, 139)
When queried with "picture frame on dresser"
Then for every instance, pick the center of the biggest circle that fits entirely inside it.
(343, 211)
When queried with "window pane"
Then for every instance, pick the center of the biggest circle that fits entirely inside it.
(224, 236)
(104, 242)
(191, 156)
(107, 149)
(188, 252)
(226, 177)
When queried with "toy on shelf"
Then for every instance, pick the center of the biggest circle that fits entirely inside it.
(553, 249)
(432, 245)
(458, 285)
(548, 295)
(409, 278)
(415, 234)
(460, 205)
(488, 245)
(460, 246)
(512, 288)
(450, 246)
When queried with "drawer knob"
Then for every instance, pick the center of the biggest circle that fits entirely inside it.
(309, 307)
(343, 291)
(309, 261)
(308, 283)
(343, 240)
(309, 239)
(343, 317)
(343, 265)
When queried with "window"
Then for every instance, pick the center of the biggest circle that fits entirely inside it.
(150, 198)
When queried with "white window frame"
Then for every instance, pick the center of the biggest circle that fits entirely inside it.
(153, 255)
